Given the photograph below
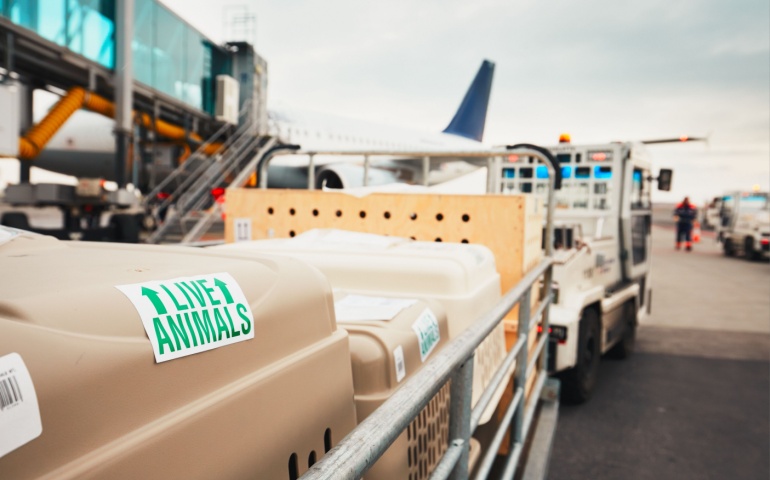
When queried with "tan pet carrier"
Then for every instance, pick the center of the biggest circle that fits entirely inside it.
(268, 395)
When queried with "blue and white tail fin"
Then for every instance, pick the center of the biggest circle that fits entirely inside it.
(470, 118)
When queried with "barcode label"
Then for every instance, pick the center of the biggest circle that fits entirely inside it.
(19, 412)
(398, 356)
(10, 393)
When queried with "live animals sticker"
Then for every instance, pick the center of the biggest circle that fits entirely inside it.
(19, 412)
(427, 330)
(187, 315)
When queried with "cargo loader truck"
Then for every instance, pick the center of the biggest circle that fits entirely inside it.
(602, 228)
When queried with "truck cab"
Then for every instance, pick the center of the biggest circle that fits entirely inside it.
(602, 224)
(744, 227)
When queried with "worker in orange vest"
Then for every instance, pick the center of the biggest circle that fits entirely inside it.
(685, 214)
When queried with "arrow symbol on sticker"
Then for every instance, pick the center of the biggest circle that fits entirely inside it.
(223, 288)
(155, 299)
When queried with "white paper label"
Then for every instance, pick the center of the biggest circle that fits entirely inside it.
(187, 315)
(428, 334)
(242, 229)
(398, 357)
(361, 308)
(7, 234)
(19, 412)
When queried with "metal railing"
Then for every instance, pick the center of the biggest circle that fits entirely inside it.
(362, 447)
(193, 193)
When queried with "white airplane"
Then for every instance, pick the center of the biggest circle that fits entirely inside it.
(84, 146)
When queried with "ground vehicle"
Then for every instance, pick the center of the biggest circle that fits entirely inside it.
(710, 218)
(744, 227)
(602, 243)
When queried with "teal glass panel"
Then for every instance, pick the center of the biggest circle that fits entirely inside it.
(169, 55)
(192, 81)
(144, 41)
(52, 20)
(97, 33)
(24, 13)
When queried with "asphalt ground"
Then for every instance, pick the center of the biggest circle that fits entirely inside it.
(693, 402)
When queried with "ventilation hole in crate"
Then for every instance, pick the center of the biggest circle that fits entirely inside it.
(362, 214)
(292, 211)
(291, 233)
(315, 212)
(438, 239)
(413, 238)
(466, 217)
(439, 216)
(293, 467)
(413, 216)
(311, 459)
(327, 440)
(386, 215)
(464, 240)
(270, 210)
(338, 213)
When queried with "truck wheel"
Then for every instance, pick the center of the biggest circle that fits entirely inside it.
(728, 247)
(625, 347)
(580, 380)
(748, 249)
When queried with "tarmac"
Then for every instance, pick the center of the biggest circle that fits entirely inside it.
(693, 402)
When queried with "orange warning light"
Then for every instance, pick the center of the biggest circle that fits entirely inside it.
(684, 138)
(513, 158)
(565, 138)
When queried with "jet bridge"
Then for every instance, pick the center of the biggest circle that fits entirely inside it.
(190, 101)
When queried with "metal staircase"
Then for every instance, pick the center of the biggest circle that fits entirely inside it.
(191, 202)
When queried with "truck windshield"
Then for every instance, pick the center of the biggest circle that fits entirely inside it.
(754, 203)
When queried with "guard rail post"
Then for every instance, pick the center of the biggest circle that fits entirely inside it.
(460, 416)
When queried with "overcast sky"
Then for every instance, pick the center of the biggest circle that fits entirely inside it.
(601, 70)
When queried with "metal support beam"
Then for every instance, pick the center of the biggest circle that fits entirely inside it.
(26, 120)
(460, 415)
(124, 80)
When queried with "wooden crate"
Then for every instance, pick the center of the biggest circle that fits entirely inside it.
(509, 225)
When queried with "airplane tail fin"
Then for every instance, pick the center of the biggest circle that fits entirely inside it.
(470, 118)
